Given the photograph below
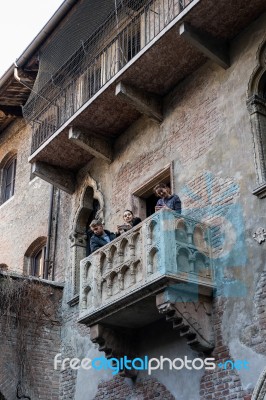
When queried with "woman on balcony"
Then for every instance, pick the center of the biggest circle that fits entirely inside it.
(167, 200)
(129, 222)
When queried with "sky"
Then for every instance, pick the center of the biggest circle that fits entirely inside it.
(21, 21)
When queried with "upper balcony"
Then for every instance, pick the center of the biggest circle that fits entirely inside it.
(122, 71)
(161, 266)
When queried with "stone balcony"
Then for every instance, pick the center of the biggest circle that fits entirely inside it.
(161, 267)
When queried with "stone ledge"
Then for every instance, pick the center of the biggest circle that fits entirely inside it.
(74, 301)
(260, 191)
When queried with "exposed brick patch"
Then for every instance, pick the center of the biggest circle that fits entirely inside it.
(220, 384)
(254, 335)
(184, 135)
(143, 389)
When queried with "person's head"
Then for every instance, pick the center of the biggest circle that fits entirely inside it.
(128, 216)
(97, 227)
(162, 190)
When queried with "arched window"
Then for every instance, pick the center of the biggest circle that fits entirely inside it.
(8, 177)
(35, 259)
(256, 103)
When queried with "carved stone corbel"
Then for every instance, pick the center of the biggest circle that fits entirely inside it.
(192, 320)
(115, 344)
(78, 239)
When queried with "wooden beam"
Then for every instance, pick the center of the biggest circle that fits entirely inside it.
(94, 145)
(144, 102)
(59, 177)
(213, 48)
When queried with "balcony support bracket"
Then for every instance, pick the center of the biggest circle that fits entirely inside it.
(213, 48)
(59, 177)
(96, 146)
(116, 343)
(191, 318)
(146, 103)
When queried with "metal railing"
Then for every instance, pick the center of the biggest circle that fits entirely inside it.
(90, 69)
(164, 246)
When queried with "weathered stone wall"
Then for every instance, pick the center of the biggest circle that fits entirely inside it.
(24, 217)
(206, 133)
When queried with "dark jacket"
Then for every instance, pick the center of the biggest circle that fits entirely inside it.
(135, 221)
(172, 202)
(98, 241)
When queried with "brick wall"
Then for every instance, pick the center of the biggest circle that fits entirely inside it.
(221, 384)
(146, 389)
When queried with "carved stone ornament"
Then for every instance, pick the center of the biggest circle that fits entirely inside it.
(78, 239)
(191, 323)
(260, 389)
(115, 344)
(260, 235)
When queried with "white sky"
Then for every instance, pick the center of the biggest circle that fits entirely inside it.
(21, 21)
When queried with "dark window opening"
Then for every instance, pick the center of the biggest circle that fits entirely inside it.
(37, 263)
(96, 208)
(151, 202)
(9, 179)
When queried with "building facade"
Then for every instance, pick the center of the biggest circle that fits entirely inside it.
(108, 100)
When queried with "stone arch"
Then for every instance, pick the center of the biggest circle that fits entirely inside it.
(201, 264)
(152, 231)
(103, 263)
(181, 230)
(88, 193)
(153, 262)
(182, 259)
(89, 200)
(258, 77)
(256, 103)
(7, 157)
(126, 276)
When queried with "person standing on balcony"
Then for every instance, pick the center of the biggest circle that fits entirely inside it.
(167, 200)
(129, 222)
(100, 236)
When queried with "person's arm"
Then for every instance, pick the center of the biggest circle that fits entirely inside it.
(159, 205)
(177, 204)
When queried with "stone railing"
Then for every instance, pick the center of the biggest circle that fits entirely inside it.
(165, 249)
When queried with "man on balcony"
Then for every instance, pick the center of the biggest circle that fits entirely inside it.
(100, 236)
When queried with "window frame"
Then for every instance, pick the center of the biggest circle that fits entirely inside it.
(142, 192)
(41, 267)
(8, 185)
